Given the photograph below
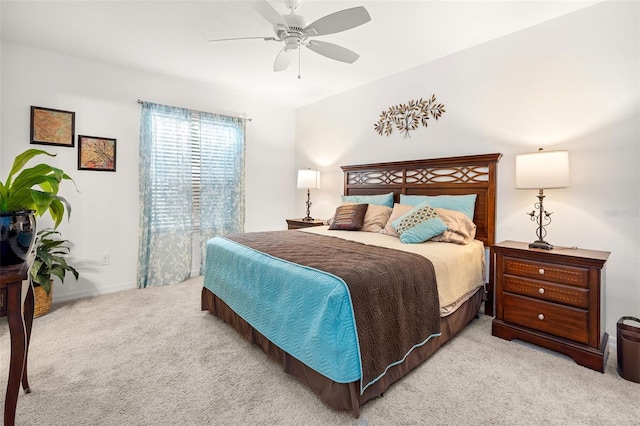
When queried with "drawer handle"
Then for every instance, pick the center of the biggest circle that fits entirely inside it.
(541, 290)
(540, 317)
(541, 271)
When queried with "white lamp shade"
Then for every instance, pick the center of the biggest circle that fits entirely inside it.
(542, 170)
(308, 179)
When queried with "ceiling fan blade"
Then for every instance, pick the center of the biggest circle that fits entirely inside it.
(333, 51)
(339, 21)
(243, 38)
(268, 12)
(283, 59)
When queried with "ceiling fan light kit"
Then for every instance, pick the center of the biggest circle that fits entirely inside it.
(293, 31)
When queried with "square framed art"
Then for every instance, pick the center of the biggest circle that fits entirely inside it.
(96, 153)
(52, 126)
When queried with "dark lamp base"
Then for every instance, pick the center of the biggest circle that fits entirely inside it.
(541, 245)
(308, 219)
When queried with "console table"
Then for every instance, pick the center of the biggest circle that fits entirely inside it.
(15, 292)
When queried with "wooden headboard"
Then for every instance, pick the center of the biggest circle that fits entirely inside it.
(470, 174)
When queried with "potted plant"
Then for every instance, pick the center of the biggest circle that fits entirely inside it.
(26, 193)
(50, 261)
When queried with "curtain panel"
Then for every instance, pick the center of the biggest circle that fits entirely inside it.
(222, 201)
(191, 185)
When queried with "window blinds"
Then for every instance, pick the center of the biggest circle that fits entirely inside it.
(197, 168)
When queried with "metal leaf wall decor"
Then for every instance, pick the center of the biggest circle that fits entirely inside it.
(407, 117)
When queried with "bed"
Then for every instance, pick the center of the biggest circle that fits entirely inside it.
(348, 335)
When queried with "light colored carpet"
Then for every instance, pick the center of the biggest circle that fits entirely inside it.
(151, 357)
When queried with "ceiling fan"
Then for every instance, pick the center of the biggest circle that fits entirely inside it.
(294, 31)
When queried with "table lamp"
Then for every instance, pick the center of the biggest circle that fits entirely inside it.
(542, 170)
(308, 179)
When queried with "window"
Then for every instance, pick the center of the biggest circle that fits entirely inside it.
(191, 181)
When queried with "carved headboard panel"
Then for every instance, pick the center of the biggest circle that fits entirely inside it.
(471, 174)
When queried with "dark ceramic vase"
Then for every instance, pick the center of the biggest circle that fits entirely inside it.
(17, 235)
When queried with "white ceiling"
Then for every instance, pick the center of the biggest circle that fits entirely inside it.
(171, 38)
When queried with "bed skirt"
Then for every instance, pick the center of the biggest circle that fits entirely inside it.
(345, 396)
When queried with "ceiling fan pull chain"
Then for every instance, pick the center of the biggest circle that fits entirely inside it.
(299, 54)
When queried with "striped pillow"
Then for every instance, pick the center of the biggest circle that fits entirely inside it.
(349, 217)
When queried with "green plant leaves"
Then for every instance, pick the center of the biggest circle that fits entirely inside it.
(20, 190)
(50, 259)
(22, 159)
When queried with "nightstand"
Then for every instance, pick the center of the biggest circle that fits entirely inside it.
(299, 223)
(552, 298)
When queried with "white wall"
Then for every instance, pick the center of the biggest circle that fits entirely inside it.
(571, 83)
(105, 212)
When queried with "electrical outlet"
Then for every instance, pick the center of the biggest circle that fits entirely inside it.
(106, 259)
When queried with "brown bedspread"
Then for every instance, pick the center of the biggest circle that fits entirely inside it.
(394, 293)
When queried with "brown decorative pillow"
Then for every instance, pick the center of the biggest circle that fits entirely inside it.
(374, 220)
(349, 217)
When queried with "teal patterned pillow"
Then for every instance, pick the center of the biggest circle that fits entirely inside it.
(419, 225)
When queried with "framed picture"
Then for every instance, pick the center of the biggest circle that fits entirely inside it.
(52, 126)
(96, 153)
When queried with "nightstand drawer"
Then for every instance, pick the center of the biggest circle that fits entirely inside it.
(543, 290)
(561, 321)
(547, 272)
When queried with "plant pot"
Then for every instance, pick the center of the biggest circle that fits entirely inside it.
(42, 300)
(17, 235)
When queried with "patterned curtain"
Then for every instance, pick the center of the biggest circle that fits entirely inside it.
(191, 179)
(164, 255)
(222, 178)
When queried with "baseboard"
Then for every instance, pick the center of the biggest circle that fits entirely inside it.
(90, 292)
(84, 292)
